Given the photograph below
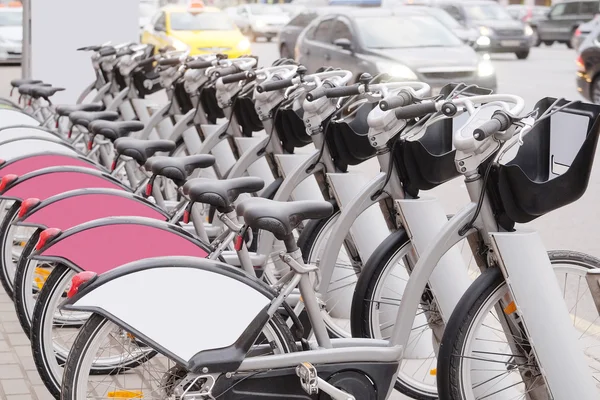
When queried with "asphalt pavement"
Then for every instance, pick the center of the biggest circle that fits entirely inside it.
(549, 71)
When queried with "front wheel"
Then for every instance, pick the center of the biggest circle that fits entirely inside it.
(155, 379)
(522, 55)
(466, 370)
(535, 38)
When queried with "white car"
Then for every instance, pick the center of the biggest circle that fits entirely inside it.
(11, 35)
(259, 20)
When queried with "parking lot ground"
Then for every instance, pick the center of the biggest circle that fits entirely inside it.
(549, 71)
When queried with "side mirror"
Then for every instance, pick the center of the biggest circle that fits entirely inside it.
(549, 14)
(343, 43)
(160, 28)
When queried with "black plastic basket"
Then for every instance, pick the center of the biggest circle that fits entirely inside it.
(289, 124)
(551, 169)
(183, 98)
(245, 112)
(208, 100)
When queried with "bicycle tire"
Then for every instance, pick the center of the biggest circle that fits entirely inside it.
(23, 289)
(8, 219)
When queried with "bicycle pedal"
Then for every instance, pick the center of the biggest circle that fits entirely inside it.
(308, 377)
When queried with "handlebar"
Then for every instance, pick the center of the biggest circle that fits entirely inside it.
(274, 85)
(107, 51)
(169, 61)
(241, 76)
(199, 64)
(146, 61)
(402, 99)
(232, 69)
(316, 94)
(500, 121)
(416, 110)
(344, 91)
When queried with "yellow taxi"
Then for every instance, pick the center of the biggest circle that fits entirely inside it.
(199, 29)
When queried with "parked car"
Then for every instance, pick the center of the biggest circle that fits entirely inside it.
(561, 22)
(11, 35)
(584, 30)
(466, 34)
(499, 32)
(259, 20)
(403, 42)
(588, 66)
(525, 13)
(200, 30)
(290, 32)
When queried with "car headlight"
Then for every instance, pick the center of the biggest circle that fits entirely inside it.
(527, 30)
(485, 31)
(260, 23)
(396, 70)
(485, 68)
(179, 45)
(243, 45)
(483, 41)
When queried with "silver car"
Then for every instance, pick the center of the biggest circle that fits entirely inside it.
(11, 35)
(259, 20)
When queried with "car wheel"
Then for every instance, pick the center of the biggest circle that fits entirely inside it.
(535, 38)
(284, 52)
(595, 90)
(522, 55)
(548, 42)
(572, 43)
(269, 38)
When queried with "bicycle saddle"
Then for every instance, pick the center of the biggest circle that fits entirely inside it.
(19, 82)
(221, 193)
(45, 92)
(281, 218)
(84, 118)
(140, 149)
(64, 110)
(112, 130)
(178, 168)
(27, 88)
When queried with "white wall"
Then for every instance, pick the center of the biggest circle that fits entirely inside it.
(59, 27)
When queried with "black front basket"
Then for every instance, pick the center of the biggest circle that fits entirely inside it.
(552, 167)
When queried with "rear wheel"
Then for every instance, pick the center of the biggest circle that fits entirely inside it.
(572, 43)
(154, 379)
(535, 38)
(548, 42)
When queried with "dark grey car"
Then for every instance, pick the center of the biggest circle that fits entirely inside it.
(407, 44)
(290, 32)
(560, 25)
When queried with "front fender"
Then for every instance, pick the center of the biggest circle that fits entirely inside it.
(187, 308)
(19, 133)
(104, 244)
(48, 182)
(32, 162)
(16, 148)
(69, 209)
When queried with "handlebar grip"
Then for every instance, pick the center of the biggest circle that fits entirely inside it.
(274, 85)
(169, 61)
(499, 122)
(403, 99)
(415, 110)
(199, 64)
(147, 61)
(342, 91)
(241, 76)
(315, 94)
(107, 51)
(89, 48)
(232, 69)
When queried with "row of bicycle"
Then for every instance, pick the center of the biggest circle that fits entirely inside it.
(195, 275)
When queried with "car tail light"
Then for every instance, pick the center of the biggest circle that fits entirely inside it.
(45, 236)
(80, 281)
(7, 180)
(27, 205)
(580, 64)
(577, 32)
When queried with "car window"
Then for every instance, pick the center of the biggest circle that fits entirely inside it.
(11, 18)
(481, 12)
(209, 21)
(571, 8)
(409, 31)
(558, 10)
(161, 22)
(341, 31)
(444, 17)
(322, 33)
(589, 7)
(453, 11)
(303, 19)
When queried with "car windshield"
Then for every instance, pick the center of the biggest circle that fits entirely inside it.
(480, 12)
(208, 21)
(403, 32)
(258, 9)
(11, 18)
(444, 18)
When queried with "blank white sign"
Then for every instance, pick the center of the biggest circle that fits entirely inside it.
(59, 27)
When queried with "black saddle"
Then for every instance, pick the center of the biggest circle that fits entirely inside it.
(15, 83)
(281, 218)
(25, 89)
(178, 168)
(112, 130)
(140, 149)
(84, 118)
(221, 193)
(64, 110)
(45, 92)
